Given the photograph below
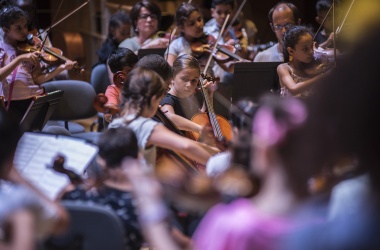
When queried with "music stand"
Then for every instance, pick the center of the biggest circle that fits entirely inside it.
(144, 52)
(254, 79)
(39, 111)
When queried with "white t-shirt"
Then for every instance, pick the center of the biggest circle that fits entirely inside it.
(270, 55)
(218, 163)
(180, 47)
(143, 128)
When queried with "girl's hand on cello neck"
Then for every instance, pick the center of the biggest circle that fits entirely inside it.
(210, 86)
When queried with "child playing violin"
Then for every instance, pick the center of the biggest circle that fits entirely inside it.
(298, 53)
(190, 24)
(141, 96)
(178, 103)
(20, 75)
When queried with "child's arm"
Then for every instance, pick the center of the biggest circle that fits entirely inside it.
(7, 69)
(112, 100)
(181, 122)
(171, 59)
(40, 77)
(163, 137)
(287, 80)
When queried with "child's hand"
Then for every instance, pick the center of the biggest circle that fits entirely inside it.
(230, 42)
(68, 65)
(205, 48)
(210, 86)
(33, 57)
(207, 136)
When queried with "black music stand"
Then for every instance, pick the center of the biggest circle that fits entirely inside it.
(39, 111)
(144, 52)
(255, 79)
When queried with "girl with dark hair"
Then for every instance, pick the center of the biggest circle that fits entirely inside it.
(21, 76)
(145, 16)
(118, 30)
(298, 51)
(190, 23)
(142, 93)
(115, 190)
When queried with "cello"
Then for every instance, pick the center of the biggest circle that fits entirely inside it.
(221, 128)
(164, 156)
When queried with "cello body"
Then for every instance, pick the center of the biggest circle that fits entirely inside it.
(203, 120)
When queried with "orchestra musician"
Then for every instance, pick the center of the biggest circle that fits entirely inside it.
(145, 16)
(179, 103)
(114, 190)
(298, 53)
(141, 96)
(121, 60)
(282, 17)
(192, 38)
(21, 75)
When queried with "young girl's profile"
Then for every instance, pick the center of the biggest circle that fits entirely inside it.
(296, 75)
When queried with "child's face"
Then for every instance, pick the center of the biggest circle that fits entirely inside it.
(17, 31)
(220, 13)
(303, 51)
(185, 82)
(193, 26)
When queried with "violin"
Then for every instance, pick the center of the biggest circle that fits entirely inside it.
(224, 53)
(49, 55)
(58, 166)
(100, 105)
(324, 60)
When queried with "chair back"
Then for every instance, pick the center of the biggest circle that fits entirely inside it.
(92, 227)
(99, 78)
(77, 100)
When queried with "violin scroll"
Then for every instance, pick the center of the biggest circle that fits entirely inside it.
(100, 102)
(58, 166)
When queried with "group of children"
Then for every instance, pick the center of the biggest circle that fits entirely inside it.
(142, 87)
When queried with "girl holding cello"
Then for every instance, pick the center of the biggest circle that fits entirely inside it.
(142, 93)
(21, 75)
(179, 104)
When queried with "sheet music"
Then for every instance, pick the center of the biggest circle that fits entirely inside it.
(36, 151)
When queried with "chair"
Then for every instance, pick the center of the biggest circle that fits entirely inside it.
(92, 227)
(100, 81)
(76, 103)
(99, 78)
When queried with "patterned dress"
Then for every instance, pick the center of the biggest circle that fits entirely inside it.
(121, 202)
(285, 91)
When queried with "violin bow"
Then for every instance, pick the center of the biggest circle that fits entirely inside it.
(63, 18)
(323, 21)
(235, 16)
(214, 47)
(55, 17)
